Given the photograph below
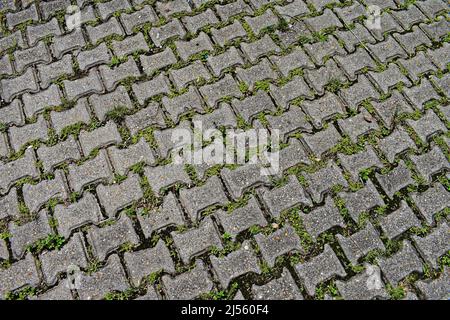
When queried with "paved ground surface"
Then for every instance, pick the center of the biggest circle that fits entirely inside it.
(87, 195)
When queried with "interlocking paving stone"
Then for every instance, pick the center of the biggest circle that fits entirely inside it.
(9, 204)
(113, 76)
(351, 38)
(20, 136)
(14, 19)
(323, 180)
(389, 78)
(188, 285)
(283, 288)
(34, 103)
(323, 141)
(15, 170)
(235, 264)
(324, 49)
(27, 234)
(154, 62)
(421, 94)
(83, 86)
(199, 198)
(226, 34)
(67, 43)
(362, 200)
(150, 295)
(148, 89)
(187, 49)
(360, 243)
(12, 114)
(194, 23)
(431, 7)
(38, 32)
(285, 197)
(293, 9)
(138, 18)
(37, 195)
(410, 41)
(172, 29)
(14, 39)
(330, 72)
(325, 21)
(223, 116)
(418, 66)
(357, 162)
(430, 163)
(436, 30)
(90, 58)
(31, 56)
(189, 101)
(197, 241)
(432, 201)
(162, 177)
(322, 218)
(399, 221)
(229, 10)
(320, 268)
(242, 218)
(323, 109)
(258, 23)
(440, 56)
(109, 238)
(20, 274)
(91, 171)
(118, 196)
(238, 180)
(436, 289)
(401, 264)
(151, 115)
(263, 47)
(395, 180)
(172, 7)
(106, 103)
(388, 109)
(356, 288)
(289, 122)
(168, 138)
(359, 92)
(167, 214)
(427, 126)
(252, 106)
(123, 159)
(434, 245)
(262, 71)
(110, 278)
(56, 261)
(26, 82)
(78, 114)
(396, 143)
(97, 107)
(145, 262)
(295, 89)
(51, 72)
(109, 28)
(78, 214)
(101, 137)
(59, 292)
(280, 242)
(225, 60)
(294, 60)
